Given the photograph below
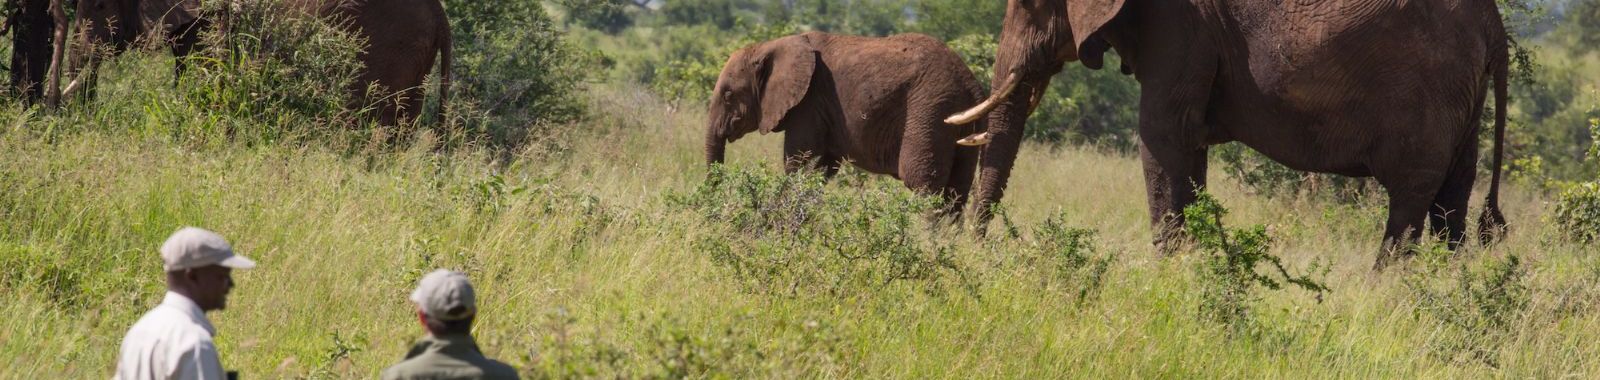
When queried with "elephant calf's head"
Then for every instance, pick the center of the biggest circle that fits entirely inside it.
(758, 87)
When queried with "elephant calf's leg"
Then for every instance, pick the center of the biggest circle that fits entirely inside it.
(803, 150)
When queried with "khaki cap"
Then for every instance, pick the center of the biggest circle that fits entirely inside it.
(192, 247)
(446, 296)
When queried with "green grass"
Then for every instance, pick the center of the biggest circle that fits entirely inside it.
(588, 267)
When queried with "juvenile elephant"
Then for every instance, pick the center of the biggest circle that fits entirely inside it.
(403, 37)
(1388, 89)
(877, 102)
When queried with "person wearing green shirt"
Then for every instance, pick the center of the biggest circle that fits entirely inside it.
(446, 307)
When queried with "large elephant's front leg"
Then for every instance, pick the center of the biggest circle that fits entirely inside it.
(1173, 134)
(1173, 172)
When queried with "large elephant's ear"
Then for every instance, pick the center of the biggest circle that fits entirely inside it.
(1088, 16)
(787, 65)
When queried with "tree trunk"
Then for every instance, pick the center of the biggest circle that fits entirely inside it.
(52, 90)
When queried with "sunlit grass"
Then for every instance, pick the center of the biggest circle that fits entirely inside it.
(586, 268)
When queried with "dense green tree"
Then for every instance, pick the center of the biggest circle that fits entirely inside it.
(604, 15)
(952, 19)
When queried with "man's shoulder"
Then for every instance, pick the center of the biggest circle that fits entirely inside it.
(494, 369)
(432, 365)
(170, 326)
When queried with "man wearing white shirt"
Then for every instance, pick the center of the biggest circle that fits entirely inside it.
(173, 341)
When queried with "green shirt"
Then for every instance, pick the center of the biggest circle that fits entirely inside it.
(448, 357)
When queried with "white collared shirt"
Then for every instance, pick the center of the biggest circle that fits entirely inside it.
(172, 341)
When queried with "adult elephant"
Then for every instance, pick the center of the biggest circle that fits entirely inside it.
(403, 37)
(877, 102)
(1388, 89)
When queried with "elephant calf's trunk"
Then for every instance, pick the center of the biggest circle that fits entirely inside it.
(716, 149)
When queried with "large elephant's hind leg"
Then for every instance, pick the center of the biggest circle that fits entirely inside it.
(1447, 217)
(1413, 187)
(185, 41)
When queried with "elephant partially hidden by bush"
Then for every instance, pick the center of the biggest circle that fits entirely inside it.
(877, 102)
(403, 37)
(1392, 90)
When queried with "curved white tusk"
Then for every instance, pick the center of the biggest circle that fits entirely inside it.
(971, 115)
(976, 140)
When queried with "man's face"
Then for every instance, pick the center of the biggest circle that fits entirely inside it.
(210, 286)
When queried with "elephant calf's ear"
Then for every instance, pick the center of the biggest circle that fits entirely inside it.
(788, 66)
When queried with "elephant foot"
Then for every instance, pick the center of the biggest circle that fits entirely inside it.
(1391, 254)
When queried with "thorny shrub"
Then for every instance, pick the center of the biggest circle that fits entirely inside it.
(1229, 281)
(276, 70)
(783, 349)
(1067, 259)
(782, 234)
(1478, 306)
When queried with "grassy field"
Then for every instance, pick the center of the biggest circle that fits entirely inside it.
(595, 254)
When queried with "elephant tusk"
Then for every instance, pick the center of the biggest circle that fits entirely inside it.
(976, 140)
(73, 86)
(971, 115)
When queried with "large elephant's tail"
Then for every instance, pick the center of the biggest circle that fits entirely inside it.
(1492, 223)
(444, 70)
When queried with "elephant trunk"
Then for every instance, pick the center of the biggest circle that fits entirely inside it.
(1005, 127)
(716, 146)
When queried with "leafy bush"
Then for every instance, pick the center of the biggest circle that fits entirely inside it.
(1577, 213)
(604, 15)
(782, 234)
(516, 66)
(1479, 307)
(1228, 277)
(1067, 258)
(670, 349)
(286, 72)
(694, 76)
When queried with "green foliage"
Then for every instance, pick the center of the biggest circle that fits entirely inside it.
(783, 235)
(717, 13)
(514, 63)
(954, 19)
(284, 72)
(674, 349)
(1577, 213)
(977, 50)
(1477, 306)
(1083, 106)
(603, 15)
(693, 76)
(1580, 18)
(1228, 277)
(858, 17)
(1067, 259)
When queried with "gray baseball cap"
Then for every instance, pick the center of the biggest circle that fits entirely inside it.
(446, 296)
(192, 247)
